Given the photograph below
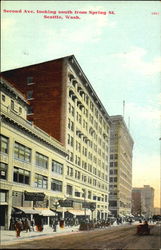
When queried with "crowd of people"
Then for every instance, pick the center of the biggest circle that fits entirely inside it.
(25, 224)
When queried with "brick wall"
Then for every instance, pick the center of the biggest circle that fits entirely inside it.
(47, 93)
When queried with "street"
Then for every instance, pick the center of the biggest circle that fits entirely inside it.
(122, 237)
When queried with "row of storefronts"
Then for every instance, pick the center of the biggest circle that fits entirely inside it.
(70, 211)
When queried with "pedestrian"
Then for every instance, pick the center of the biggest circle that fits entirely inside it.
(55, 223)
(18, 227)
(27, 225)
(32, 224)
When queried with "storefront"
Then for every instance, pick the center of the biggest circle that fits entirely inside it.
(3, 209)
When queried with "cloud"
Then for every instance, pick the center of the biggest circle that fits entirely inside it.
(135, 59)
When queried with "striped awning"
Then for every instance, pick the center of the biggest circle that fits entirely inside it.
(79, 212)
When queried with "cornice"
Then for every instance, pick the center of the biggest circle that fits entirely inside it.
(34, 132)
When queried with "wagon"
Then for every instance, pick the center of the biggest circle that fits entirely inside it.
(143, 229)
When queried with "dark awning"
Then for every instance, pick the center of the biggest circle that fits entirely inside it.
(26, 210)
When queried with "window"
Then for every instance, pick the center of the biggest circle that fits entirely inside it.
(84, 178)
(77, 194)
(91, 106)
(22, 153)
(12, 105)
(29, 80)
(89, 180)
(70, 125)
(3, 98)
(94, 182)
(77, 160)
(77, 174)
(116, 156)
(71, 157)
(70, 140)
(21, 176)
(112, 203)
(29, 94)
(56, 185)
(3, 170)
(41, 181)
(111, 157)
(89, 194)
(57, 167)
(3, 196)
(69, 189)
(41, 160)
(30, 110)
(3, 144)
(78, 146)
(115, 163)
(69, 171)
(72, 111)
(20, 110)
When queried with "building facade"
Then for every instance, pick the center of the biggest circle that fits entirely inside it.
(120, 181)
(138, 205)
(64, 105)
(144, 205)
(31, 161)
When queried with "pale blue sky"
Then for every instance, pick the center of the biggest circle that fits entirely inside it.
(120, 55)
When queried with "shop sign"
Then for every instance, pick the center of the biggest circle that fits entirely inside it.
(89, 205)
(31, 196)
(66, 203)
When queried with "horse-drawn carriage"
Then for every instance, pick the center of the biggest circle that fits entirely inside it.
(143, 229)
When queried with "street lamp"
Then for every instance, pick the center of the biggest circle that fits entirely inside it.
(56, 205)
(92, 208)
(84, 195)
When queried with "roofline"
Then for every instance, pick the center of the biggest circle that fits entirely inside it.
(35, 64)
(121, 118)
(80, 69)
(12, 88)
(90, 86)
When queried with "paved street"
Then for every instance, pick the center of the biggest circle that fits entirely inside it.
(122, 237)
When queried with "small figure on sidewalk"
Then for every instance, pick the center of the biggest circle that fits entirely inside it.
(32, 224)
(54, 226)
(18, 227)
(27, 225)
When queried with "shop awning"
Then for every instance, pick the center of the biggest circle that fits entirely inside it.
(79, 212)
(27, 210)
(45, 212)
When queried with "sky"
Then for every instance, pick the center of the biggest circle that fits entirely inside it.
(118, 46)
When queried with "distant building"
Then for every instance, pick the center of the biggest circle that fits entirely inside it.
(143, 201)
(121, 146)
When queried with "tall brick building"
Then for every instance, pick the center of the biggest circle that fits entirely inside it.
(64, 104)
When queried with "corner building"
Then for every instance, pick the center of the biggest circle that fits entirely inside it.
(121, 146)
(64, 104)
(30, 160)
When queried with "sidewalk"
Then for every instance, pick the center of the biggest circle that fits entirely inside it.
(9, 237)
